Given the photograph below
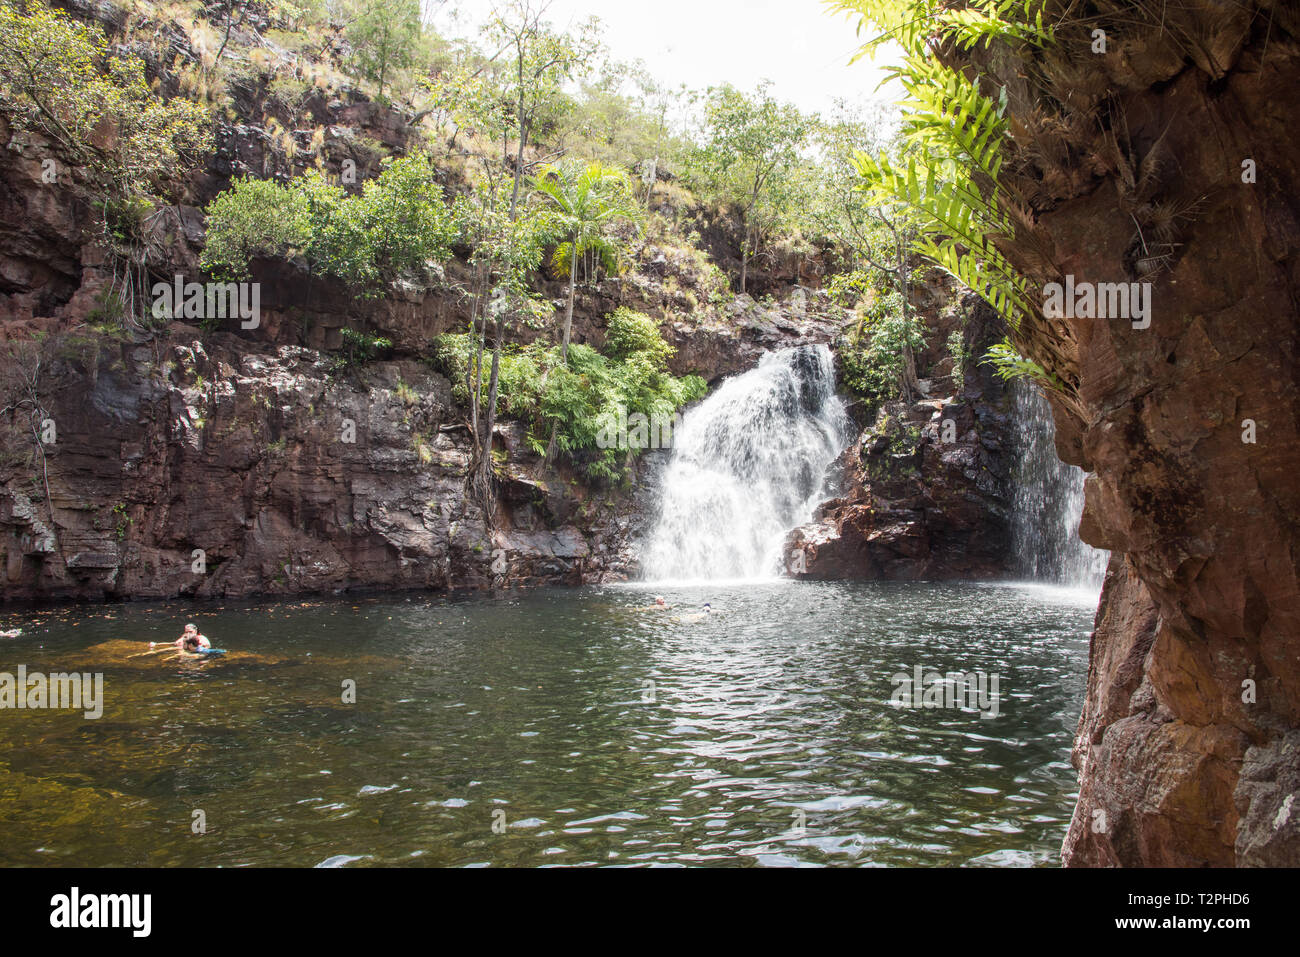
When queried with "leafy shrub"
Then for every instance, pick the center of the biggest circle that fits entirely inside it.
(359, 348)
(404, 218)
(57, 76)
(848, 288)
(256, 218)
(1008, 365)
(874, 369)
(398, 224)
(593, 392)
(289, 91)
(62, 79)
(630, 333)
(957, 350)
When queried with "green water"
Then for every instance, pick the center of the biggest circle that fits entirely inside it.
(555, 727)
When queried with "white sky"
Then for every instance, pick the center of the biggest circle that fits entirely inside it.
(796, 44)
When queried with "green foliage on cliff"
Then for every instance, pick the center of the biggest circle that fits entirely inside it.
(593, 392)
(592, 395)
(958, 353)
(397, 225)
(384, 35)
(748, 158)
(359, 348)
(62, 83)
(631, 333)
(57, 78)
(872, 359)
(1009, 364)
(586, 204)
(256, 217)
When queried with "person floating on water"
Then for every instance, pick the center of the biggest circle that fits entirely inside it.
(191, 641)
(697, 617)
(661, 605)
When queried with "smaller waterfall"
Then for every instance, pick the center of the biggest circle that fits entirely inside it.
(1049, 504)
(748, 464)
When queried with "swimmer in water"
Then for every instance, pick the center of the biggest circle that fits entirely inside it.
(698, 616)
(190, 640)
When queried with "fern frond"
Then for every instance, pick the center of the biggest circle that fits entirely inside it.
(953, 193)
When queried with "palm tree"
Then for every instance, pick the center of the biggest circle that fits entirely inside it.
(587, 203)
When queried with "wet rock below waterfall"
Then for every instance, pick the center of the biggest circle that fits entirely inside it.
(927, 497)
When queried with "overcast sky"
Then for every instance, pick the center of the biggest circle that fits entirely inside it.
(794, 43)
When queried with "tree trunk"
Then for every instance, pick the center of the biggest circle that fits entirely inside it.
(484, 479)
(523, 138)
(230, 23)
(910, 385)
(383, 64)
(478, 342)
(744, 262)
(549, 457)
(519, 169)
(568, 312)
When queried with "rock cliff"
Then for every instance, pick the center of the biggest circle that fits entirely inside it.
(1169, 159)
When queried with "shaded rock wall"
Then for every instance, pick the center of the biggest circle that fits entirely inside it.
(288, 478)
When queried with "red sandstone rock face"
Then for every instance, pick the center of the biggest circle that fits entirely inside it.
(287, 478)
(1187, 744)
(917, 507)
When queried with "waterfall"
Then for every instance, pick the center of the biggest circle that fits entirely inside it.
(748, 464)
(1048, 503)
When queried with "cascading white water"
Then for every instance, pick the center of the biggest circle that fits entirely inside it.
(748, 464)
(1048, 503)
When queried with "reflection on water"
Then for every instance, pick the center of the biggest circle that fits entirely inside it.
(586, 727)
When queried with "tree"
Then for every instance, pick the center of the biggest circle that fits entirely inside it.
(516, 89)
(506, 250)
(657, 99)
(229, 9)
(874, 234)
(587, 203)
(541, 62)
(528, 69)
(468, 95)
(384, 35)
(962, 210)
(23, 367)
(749, 148)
